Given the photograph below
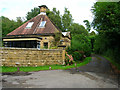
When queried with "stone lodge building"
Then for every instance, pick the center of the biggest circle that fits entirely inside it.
(39, 32)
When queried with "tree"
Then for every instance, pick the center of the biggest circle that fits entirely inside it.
(106, 16)
(92, 36)
(80, 43)
(87, 23)
(92, 33)
(34, 12)
(107, 23)
(6, 26)
(75, 28)
(55, 16)
(19, 20)
(9, 25)
(18, 23)
(66, 19)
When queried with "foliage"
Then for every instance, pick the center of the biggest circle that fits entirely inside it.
(46, 67)
(92, 37)
(55, 17)
(57, 38)
(75, 28)
(92, 33)
(107, 23)
(9, 25)
(66, 19)
(81, 43)
(106, 16)
(77, 56)
(80, 47)
(34, 12)
(88, 25)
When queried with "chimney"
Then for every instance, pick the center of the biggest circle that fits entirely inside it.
(43, 9)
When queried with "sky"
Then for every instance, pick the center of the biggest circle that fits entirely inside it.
(80, 9)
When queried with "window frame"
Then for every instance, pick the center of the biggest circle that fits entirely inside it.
(29, 25)
(42, 24)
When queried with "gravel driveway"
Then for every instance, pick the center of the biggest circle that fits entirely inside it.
(96, 74)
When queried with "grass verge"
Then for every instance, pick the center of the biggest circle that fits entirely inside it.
(113, 62)
(46, 67)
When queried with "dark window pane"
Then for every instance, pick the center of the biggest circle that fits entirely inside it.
(46, 45)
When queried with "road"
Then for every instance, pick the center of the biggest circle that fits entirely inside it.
(96, 74)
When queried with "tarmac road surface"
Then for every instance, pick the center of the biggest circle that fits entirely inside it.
(96, 74)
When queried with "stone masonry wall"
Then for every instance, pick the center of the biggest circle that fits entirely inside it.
(31, 57)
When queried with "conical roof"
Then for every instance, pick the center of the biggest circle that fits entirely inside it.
(33, 26)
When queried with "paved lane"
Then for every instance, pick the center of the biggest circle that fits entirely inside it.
(97, 74)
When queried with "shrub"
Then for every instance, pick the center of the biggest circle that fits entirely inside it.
(81, 43)
(80, 47)
(77, 56)
(68, 59)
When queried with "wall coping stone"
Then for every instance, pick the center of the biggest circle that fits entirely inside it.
(31, 49)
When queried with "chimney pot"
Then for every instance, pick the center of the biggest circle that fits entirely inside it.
(43, 9)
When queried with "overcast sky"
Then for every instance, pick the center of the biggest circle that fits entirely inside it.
(80, 9)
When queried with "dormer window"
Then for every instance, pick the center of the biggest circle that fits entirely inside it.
(42, 24)
(29, 25)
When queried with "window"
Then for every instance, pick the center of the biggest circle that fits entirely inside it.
(45, 45)
(38, 45)
(61, 42)
(42, 24)
(29, 25)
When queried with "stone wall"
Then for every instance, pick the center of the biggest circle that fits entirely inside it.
(31, 57)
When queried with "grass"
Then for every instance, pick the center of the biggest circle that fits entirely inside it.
(46, 67)
(113, 62)
(98, 58)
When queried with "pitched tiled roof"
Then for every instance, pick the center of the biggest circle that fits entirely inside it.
(49, 28)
